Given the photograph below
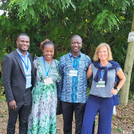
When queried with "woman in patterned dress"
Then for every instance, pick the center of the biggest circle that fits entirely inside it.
(42, 119)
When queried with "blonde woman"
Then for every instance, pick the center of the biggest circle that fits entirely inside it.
(105, 72)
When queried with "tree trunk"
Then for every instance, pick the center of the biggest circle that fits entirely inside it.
(128, 70)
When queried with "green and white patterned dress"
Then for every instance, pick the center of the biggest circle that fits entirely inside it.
(42, 119)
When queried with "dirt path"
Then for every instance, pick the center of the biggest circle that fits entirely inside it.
(123, 123)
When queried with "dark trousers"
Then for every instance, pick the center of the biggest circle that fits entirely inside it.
(105, 108)
(68, 109)
(23, 110)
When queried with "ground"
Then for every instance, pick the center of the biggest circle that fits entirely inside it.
(122, 123)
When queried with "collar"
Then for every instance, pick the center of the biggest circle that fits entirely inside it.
(71, 55)
(21, 53)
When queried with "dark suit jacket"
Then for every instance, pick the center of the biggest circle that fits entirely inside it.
(14, 80)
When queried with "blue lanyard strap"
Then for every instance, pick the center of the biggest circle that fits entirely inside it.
(101, 74)
(26, 66)
(47, 71)
(74, 66)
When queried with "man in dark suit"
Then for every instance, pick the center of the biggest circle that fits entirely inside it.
(18, 80)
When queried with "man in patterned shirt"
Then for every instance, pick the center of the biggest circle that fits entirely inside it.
(73, 92)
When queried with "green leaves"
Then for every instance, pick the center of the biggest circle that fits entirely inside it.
(95, 20)
(120, 4)
(33, 7)
(106, 21)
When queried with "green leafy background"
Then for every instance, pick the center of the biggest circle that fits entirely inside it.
(95, 21)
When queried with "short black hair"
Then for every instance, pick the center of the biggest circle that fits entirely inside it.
(22, 34)
(47, 43)
(76, 36)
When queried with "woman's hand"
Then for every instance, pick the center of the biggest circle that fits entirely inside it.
(114, 91)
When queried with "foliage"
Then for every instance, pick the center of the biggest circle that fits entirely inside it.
(119, 130)
(94, 20)
(2, 96)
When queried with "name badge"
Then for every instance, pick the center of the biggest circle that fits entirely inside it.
(28, 75)
(100, 84)
(73, 73)
(48, 81)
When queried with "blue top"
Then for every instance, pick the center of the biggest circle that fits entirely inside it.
(73, 88)
(104, 92)
(27, 67)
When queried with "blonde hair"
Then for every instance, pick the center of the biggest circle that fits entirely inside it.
(101, 45)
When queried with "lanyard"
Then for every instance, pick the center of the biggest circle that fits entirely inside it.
(47, 71)
(101, 74)
(26, 66)
(74, 66)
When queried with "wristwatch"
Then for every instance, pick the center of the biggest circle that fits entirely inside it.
(118, 89)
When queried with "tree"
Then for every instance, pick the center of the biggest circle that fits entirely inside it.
(128, 70)
(94, 20)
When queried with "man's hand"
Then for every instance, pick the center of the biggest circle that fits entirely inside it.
(12, 105)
